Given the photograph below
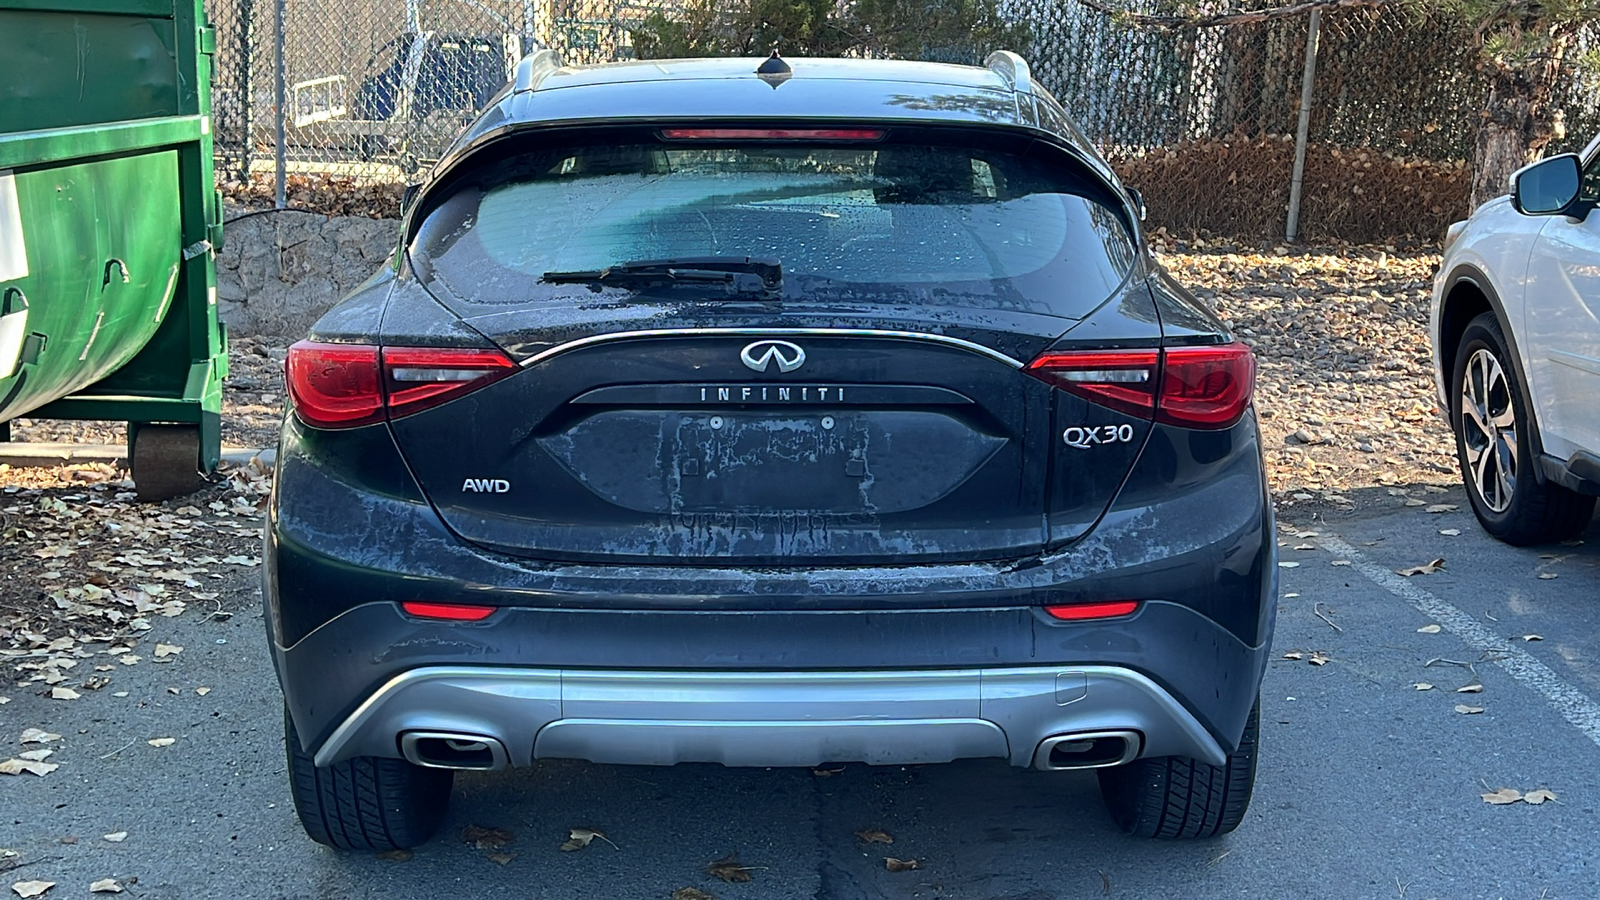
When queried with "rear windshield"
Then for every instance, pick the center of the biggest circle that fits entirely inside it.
(927, 224)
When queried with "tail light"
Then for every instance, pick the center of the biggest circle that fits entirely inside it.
(1192, 387)
(447, 612)
(772, 134)
(346, 385)
(1080, 612)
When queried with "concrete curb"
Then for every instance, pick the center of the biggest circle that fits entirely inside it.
(28, 454)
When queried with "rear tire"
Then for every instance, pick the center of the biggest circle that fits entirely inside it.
(365, 803)
(1494, 446)
(165, 461)
(1176, 797)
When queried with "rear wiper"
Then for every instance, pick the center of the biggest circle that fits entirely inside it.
(738, 274)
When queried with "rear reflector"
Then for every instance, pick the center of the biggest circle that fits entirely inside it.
(1078, 612)
(449, 612)
(346, 385)
(1192, 387)
(772, 134)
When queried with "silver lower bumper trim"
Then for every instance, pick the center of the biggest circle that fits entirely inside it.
(771, 718)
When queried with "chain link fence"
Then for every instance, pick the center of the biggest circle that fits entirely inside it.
(1203, 121)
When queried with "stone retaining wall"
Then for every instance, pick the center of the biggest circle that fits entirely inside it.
(278, 272)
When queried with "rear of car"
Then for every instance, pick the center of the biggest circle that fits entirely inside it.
(843, 419)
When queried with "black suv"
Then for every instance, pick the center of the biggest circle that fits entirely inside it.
(770, 413)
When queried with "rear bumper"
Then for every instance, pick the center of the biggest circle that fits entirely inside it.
(772, 718)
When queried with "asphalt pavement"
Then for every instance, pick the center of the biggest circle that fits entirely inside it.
(1368, 786)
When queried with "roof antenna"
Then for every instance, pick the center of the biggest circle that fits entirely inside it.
(774, 71)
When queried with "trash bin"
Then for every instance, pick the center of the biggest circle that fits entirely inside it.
(109, 224)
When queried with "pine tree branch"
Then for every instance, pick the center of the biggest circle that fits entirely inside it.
(1219, 20)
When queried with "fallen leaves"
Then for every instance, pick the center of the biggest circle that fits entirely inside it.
(1423, 686)
(1533, 637)
(1438, 508)
(18, 766)
(162, 742)
(1473, 688)
(579, 838)
(1430, 629)
(1508, 796)
(116, 837)
(875, 836)
(486, 838)
(38, 736)
(64, 693)
(728, 869)
(1425, 569)
(165, 650)
(1466, 710)
(900, 865)
(105, 886)
(395, 856)
(26, 889)
(689, 893)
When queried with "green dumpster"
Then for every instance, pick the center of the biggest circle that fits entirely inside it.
(109, 223)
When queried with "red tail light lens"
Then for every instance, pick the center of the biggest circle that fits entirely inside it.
(1123, 380)
(448, 612)
(772, 134)
(335, 385)
(1078, 612)
(1205, 387)
(346, 385)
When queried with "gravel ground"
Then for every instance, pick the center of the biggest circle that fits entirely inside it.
(1345, 398)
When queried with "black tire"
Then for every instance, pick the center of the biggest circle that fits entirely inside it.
(366, 803)
(1176, 797)
(1506, 494)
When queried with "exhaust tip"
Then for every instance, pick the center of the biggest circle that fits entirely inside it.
(1087, 750)
(453, 750)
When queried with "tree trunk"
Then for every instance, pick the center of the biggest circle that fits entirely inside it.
(1520, 118)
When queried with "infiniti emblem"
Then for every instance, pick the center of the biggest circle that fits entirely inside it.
(762, 353)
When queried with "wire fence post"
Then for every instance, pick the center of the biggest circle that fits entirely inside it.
(280, 191)
(1307, 82)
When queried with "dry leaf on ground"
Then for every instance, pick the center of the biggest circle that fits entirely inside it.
(579, 838)
(1502, 796)
(1424, 686)
(1547, 576)
(1473, 688)
(1294, 654)
(689, 893)
(36, 755)
(63, 693)
(486, 838)
(396, 855)
(18, 766)
(501, 859)
(1319, 658)
(116, 837)
(105, 886)
(1533, 637)
(900, 865)
(1427, 569)
(163, 650)
(1539, 796)
(1450, 532)
(1466, 710)
(875, 837)
(1442, 508)
(1429, 629)
(1288, 564)
(32, 888)
(162, 742)
(728, 869)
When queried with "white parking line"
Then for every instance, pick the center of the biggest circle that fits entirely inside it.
(1574, 705)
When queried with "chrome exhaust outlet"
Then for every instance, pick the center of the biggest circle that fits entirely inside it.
(1087, 750)
(451, 750)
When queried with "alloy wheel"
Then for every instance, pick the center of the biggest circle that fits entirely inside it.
(1489, 430)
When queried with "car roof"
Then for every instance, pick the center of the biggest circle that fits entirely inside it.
(547, 92)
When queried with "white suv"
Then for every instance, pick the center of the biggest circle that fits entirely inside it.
(1516, 346)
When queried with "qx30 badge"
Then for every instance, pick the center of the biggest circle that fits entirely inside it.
(762, 354)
